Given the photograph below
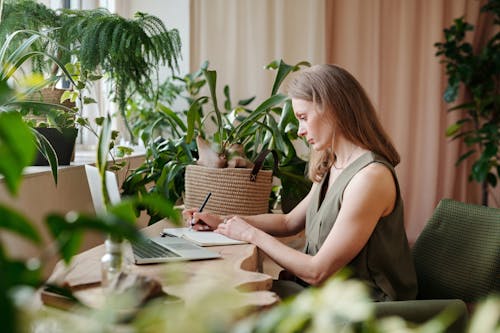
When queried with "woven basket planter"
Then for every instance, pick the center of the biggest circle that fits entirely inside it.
(232, 190)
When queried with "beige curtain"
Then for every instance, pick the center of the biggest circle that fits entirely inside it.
(388, 46)
(239, 37)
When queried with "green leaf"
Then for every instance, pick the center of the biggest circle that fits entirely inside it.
(480, 170)
(45, 148)
(103, 147)
(18, 273)
(491, 179)
(124, 210)
(89, 100)
(464, 156)
(453, 129)
(227, 102)
(286, 116)
(17, 223)
(490, 150)
(245, 102)
(211, 77)
(162, 208)
(273, 64)
(17, 149)
(103, 144)
(450, 94)
(99, 121)
(192, 114)
(173, 116)
(466, 106)
(67, 230)
(283, 71)
(6, 93)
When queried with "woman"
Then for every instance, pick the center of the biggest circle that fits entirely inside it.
(353, 214)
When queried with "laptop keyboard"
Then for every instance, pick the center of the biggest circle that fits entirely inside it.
(150, 249)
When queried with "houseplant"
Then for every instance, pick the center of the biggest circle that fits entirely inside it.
(57, 125)
(240, 135)
(34, 16)
(271, 125)
(127, 51)
(268, 126)
(12, 62)
(478, 71)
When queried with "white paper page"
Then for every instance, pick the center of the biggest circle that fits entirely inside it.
(203, 238)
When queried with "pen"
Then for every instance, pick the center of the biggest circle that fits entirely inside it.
(201, 208)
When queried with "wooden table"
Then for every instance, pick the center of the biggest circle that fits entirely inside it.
(238, 270)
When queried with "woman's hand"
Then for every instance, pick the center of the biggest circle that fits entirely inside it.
(236, 228)
(203, 221)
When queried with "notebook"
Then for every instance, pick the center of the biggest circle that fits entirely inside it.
(202, 238)
(165, 248)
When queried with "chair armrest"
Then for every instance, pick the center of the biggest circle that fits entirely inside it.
(420, 311)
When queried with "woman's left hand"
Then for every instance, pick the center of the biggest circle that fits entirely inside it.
(236, 228)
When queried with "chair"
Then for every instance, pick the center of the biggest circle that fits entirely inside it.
(457, 260)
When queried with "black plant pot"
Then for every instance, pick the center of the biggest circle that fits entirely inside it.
(62, 141)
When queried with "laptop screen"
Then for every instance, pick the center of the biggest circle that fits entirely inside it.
(95, 187)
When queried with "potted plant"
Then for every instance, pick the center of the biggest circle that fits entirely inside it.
(57, 125)
(128, 52)
(125, 51)
(269, 126)
(478, 71)
(47, 113)
(12, 62)
(35, 16)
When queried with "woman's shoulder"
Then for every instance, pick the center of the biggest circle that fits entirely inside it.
(376, 176)
(375, 172)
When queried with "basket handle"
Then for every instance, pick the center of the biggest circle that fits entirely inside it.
(259, 161)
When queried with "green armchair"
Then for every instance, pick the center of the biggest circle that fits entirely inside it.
(457, 259)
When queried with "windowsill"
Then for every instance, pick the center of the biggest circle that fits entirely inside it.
(83, 155)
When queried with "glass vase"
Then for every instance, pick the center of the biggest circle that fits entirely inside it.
(111, 264)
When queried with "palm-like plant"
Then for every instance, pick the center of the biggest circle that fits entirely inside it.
(31, 15)
(128, 51)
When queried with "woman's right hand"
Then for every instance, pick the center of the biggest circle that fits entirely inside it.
(201, 221)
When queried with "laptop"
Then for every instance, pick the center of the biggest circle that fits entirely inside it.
(167, 248)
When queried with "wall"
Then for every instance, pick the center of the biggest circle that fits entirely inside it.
(173, 13)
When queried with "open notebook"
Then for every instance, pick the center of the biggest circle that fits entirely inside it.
(202, 238)
(154, 249)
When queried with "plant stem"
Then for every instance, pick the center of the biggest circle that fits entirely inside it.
(484, 188)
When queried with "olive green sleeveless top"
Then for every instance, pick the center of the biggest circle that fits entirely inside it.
(385, 262)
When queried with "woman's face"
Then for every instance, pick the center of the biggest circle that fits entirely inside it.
(313, 125)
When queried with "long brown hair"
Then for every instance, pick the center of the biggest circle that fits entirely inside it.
(344, 102)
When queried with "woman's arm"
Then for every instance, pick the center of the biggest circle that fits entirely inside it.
(274, 224)
(370, 195)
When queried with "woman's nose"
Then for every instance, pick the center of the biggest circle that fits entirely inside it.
(301, 131)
